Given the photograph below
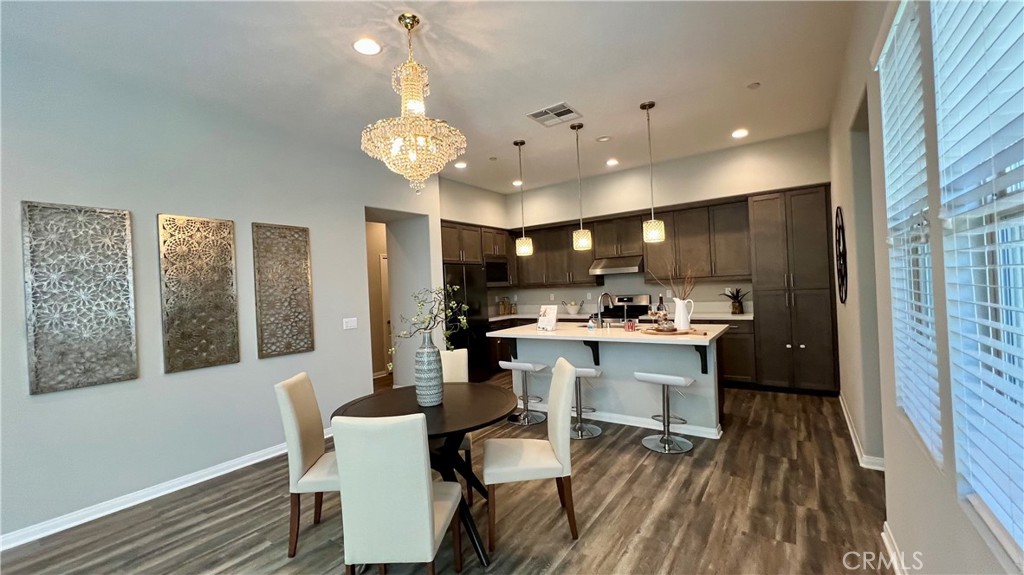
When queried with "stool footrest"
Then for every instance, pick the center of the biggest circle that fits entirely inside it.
(672, 419)
(532, 398)
(585, 409)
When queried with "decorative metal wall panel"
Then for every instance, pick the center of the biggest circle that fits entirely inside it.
(198, 292)
(284, 289)
(79, 297)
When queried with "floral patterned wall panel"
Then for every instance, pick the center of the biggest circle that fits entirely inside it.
(284, 289)
(198, 292)
(79, 296)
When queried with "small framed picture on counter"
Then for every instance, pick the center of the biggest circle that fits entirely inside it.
(548, 318)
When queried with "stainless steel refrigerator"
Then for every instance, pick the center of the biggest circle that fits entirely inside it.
(472, 282)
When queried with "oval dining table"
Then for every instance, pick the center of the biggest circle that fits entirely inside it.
(466, 407)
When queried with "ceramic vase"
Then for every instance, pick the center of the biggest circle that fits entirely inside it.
(429, 384)
(737, 307)
(684, 309)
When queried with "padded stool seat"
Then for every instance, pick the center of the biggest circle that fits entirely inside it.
(525, 417)
(581, 430)
(666, 442)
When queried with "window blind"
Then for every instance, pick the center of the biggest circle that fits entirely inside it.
(978, 51)
(906, 196)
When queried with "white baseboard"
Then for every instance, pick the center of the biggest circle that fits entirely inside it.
(866, 461)
(892, 549)
(644, 422)
(380, 374)
(57, 524)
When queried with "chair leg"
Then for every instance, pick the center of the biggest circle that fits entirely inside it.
(469, 488)
(491, 515)
(561, 491)
(293, 527)
(382, 569)
(318, 504)
(457, 541)
(350, 569)
(570, 510)
(430, 568)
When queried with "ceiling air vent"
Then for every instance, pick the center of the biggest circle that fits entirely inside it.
(554, 115)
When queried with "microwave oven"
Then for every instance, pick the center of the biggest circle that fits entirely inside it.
(497, 273)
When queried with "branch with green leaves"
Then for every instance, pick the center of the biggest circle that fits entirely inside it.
(434, 307)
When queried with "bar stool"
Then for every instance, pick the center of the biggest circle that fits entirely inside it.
(666, 442)
(581, 430)
(525, 417)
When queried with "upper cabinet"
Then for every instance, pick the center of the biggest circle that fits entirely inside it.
(461, 244)
(618, 237)
(495, 243)
(707, 242)
(554, 262)
(790, 243)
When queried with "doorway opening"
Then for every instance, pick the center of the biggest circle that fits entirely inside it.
(380, 303)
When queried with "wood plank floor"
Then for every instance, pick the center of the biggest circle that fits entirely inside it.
(781, 492)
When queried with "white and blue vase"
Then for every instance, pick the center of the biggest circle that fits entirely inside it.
(429, 382)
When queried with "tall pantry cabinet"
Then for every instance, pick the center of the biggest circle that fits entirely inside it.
(794, 323)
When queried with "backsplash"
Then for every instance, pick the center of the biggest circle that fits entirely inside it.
(705, 294)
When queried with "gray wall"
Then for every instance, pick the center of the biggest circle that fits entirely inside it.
(857, 323)
(76, 135)
(923, 510)
(781, 163)
(464, 203)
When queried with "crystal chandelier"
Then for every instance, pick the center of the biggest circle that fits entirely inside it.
(524, 245)
(413, 145)
(581, 239)
(654, 230)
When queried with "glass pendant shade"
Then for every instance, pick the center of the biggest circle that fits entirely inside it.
(581, 240)
(412, 144)
(524, 246)
(654, 231)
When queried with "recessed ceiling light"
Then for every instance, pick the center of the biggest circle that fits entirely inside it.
(612, 162)
(517, 183)
(741, 133)
(603, 138)
(753, 85)
(460, 165)
(366, 47)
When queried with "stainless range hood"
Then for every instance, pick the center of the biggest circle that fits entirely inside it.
(619, 265)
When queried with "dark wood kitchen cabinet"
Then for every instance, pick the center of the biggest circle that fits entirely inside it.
(687, 246)
(730, 240)
(791, 259)
(618, 237)
(554, 262)
(737, 356)
(461, 244)
(531, 267)
(495, 243)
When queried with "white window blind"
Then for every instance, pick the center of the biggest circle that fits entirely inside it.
(906, 195)
(978, 50)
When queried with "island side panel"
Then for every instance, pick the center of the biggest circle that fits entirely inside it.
(618, 397)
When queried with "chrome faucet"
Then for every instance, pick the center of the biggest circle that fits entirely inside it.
(600, 306)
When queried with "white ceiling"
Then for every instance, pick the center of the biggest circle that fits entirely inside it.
(292, 65)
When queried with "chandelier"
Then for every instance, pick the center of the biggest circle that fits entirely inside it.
(413, 145)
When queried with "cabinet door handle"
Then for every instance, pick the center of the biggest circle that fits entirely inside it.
(792, 283)
(734, 326)
(789, 346)
(802, 346)
(785, 281)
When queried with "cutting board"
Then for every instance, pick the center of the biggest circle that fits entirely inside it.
(676, 332)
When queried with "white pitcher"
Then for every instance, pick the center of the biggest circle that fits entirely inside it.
(682, 319)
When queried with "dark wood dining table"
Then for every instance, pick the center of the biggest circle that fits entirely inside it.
(466, 407)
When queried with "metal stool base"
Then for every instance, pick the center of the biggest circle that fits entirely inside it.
(527, 418)
(584, 431)
(667, 443)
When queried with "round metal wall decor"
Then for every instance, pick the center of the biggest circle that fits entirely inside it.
(841, 254)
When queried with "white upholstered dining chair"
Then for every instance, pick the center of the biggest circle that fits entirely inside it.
(508, 460)
(393, 512)
(455, 367)
(311, 468)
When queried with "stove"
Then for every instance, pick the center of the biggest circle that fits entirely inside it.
(627, 307)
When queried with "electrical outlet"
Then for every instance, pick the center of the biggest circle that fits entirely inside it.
(668, 294)
(590, 296)
(495, 299)
(551, 297)
(515, 297)
(349, 323)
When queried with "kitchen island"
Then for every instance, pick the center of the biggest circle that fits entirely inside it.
(616, 396)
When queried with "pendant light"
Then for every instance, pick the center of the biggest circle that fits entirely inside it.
(654, 229)
(524, 245)
(581, 239)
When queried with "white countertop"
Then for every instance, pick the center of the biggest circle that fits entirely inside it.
(576, 332)
(697, 316)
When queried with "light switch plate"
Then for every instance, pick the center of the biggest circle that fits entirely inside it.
(551, 297)
(349, 323)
